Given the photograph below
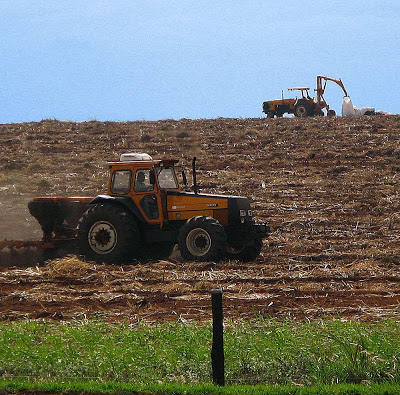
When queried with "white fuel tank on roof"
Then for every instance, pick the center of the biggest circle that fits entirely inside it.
(134, 156)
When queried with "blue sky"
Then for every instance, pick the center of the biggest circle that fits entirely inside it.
(156, 59)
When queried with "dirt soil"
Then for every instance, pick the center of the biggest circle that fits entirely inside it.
(328, 187)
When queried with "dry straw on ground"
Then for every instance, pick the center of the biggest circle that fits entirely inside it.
(329, 188)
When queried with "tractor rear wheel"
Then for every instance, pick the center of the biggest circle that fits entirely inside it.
(245, 253)
(107, 233)
(301, 110)
(331, 113)
(202, 239)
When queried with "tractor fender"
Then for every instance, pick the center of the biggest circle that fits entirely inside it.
(125, 202)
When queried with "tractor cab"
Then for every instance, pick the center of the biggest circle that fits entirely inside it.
(145, 181)
(131, 175)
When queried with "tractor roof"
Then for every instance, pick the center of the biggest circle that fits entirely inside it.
(298, 89)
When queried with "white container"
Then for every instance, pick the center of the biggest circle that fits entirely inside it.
(347, 107)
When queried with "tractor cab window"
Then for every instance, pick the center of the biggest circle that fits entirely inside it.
(167, 178)
(121, 182)
(143, 181)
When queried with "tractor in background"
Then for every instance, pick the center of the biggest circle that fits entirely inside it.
(305, 106)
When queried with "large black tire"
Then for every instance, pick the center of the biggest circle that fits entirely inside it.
(108, 234)
(301, 110)
(245, 253)
(202, 239)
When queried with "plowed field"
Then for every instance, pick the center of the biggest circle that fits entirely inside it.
(328, 187)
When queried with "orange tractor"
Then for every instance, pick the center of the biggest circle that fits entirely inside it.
(305, 106)
(144, 214)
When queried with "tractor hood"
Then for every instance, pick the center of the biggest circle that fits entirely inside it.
(184, 205)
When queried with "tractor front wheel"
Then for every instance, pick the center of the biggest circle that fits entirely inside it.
(107, 233)
(202, 239)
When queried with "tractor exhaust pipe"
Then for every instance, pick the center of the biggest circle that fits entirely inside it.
(195, 187)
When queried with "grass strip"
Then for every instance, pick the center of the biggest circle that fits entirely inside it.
(199, 389)
(262, 352)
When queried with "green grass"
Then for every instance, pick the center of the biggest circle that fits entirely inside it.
(260, 353)
(199, 389)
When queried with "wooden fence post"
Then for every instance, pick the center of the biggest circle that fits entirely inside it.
(217, 351)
